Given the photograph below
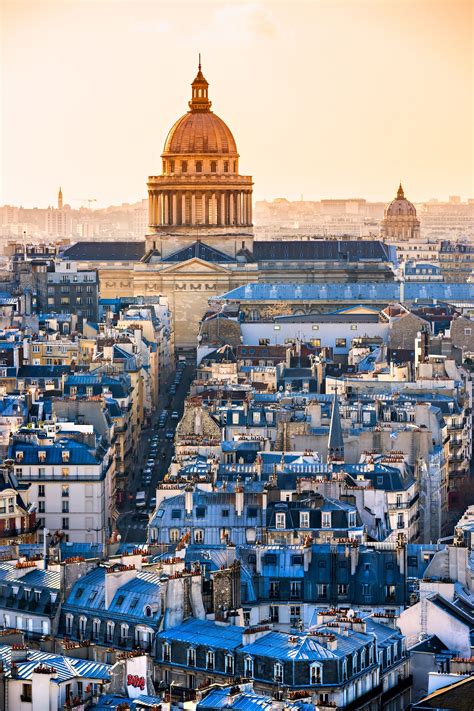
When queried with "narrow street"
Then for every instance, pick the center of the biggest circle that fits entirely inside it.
(132, 523)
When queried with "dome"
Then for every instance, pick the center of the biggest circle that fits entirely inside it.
(200, 131)
(400, 207)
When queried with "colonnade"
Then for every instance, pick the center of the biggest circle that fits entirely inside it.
(194, 208)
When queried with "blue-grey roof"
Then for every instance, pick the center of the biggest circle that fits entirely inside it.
(79, 453)
(361, 292)
(66, 667)
(205, 632)
(281, 646)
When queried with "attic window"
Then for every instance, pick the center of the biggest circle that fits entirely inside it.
(134, 603)
(42, 455)
(78, 594)
(65, 455)
(120, 600)
(19, 456)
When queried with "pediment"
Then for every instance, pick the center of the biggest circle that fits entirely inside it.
(194, 266)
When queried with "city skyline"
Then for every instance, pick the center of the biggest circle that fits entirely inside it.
(106, 112)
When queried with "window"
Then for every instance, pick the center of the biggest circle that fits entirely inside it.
(295, 588)
(184, 166)
(210, 658)
(355, 664)
(325, 519)
(171, 166)
(323, 590)
(248, 667)
(123, 633)
(41, 471)
(400, 522)
(200, 512)
(65, 507)
(65, 471)
(467, 331)
(199, 166)
(65, 525)
(274, 589)
(341, 342)
(110, 631)
(166, 652)
(199, 535)
(41, 490)
(41, 507)
(82, 625)
(342, 589)
(229, 664)
(280, 520)
(315, 342)
(315, 674)
(191, 657)
(304, 519)
(174, 535)
(95, 628)
(69, 620)
(390, 592)
(26, 693)
(352, 519)
(64, 490)
(226, 166)
(274, 613)
(175, 513)
(213, 166)
(225, 513)
(278, 673)
(353, 327)
(315, 327)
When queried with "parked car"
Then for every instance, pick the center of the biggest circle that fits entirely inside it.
(170, 434)
(173, 390)
(175, 415)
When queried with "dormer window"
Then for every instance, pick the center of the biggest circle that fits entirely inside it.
(248, 667)
(315, 674)
(325, 519)
(82, 626)
(191, 657)
(304, 519)
(280, 520)
(42, 455)
(229, 664)
(19, 456)
(69, 621)
(199, 166)
(110, 631)
(278, 673)
(213, 166)
(184, 166)
(65, 455)
(167, 652)
(210, 659)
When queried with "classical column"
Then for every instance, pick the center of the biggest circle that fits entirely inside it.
(174, 203)
(222, 220)
(183, 209)
(204, 204)
(193, 208)
(159, 209)
(231, 207)
(239, 208)
(250, 208)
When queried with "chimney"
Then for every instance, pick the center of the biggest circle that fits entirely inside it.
(239, 499)
(115, 577)
(251, 634)
(188, 499)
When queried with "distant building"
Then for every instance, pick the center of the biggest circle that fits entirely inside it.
(400, 222)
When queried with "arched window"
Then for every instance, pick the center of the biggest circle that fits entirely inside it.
(213, 166)
(199, 166)
(226, 166)
(95, 628)
(355, 660)
(69, 621)
(148, 611)
(229, 664)
(191, 657)
(110, 631)
(362, 659)
(184, 166)
(248, 667)
(278, 672)
(167, 652)
(171, 166)
(344, 669)
(82, 625)
(315, 674)
(123, 633)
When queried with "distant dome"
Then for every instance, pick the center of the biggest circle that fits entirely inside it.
(400, 207)
(200, 131)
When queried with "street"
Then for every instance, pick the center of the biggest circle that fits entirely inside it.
(156, 449)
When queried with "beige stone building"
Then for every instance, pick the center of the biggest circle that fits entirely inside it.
(400, 222)
(200, 240)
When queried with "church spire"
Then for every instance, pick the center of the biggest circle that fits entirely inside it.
(336, 440)
(400, 193)
(199, 98)
(60, 199)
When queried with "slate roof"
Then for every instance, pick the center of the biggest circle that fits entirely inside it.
(66, 667)
(277, 645)
(457, 697)
(79, 454)
(322, 250)
(359, 292)
(206, 633)
(106, 251)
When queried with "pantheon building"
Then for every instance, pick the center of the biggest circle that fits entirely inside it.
(200, 240)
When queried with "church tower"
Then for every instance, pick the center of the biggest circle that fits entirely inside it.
(200, 195)
(60, 199)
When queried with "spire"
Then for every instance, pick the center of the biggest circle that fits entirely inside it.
(335, 441)
(199, 99)
(60, 199)
(400, 193)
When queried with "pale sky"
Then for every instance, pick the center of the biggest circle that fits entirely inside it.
(326, 98)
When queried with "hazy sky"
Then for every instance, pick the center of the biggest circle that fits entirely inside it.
(326, 98)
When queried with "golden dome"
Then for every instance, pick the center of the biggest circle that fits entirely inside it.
(400, 207)
(200, 130)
